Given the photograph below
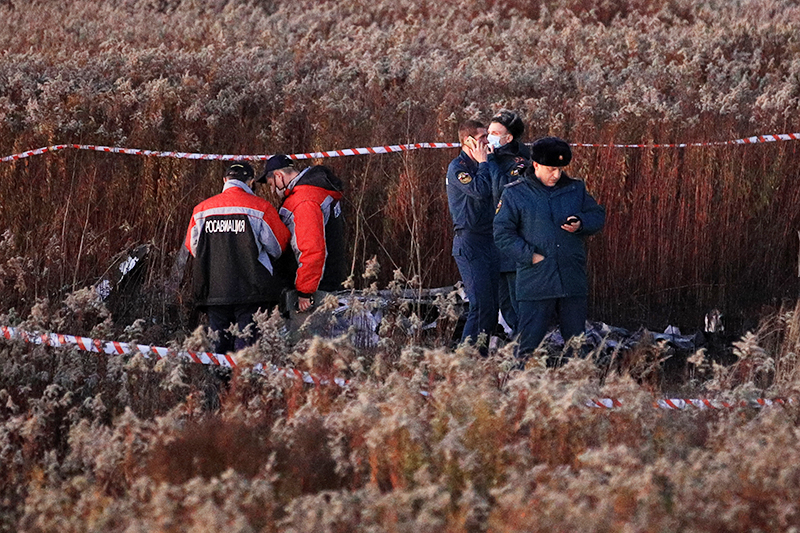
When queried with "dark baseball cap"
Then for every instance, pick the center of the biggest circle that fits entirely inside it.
(241, 171)
(275, 162)
(551, 152)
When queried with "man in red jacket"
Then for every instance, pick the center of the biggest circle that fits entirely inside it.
(312, 211)
(235, 238)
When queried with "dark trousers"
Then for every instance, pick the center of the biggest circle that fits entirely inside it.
(478, 264)
(535, 317)
(508, 299)
(222, 317)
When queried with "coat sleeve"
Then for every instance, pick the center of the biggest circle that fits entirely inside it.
(507, 230)
(192, 236)
(309, 246)
(275, 235)
(476, 185)
(592, 215)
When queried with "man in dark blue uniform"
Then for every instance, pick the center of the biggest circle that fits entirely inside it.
(469, 197)
(542, 221)
(508, 159)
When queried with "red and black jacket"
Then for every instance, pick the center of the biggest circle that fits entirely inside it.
(235, 238)
(312, 211)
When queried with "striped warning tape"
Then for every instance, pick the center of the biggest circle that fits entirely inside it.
(229, 157)
(756, 139)
(370, 150)
(58, 340)
(680, 404)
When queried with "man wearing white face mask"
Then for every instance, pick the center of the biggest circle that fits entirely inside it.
(312, 211)
(507, 162)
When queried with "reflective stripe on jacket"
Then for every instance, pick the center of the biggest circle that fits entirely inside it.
(235, 237)
(312, 211)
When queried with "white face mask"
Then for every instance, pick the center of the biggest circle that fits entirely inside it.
(494, 140)
(280, 191)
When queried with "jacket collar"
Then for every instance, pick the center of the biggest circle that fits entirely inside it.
(236, 183)
(510, 148)
(291, 185)
(470, 163)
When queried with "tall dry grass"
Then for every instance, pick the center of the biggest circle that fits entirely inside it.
(426, 438)
(422, 439)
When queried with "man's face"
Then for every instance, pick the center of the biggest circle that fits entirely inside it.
(549, 176)
(495, 128)
(273, 181)
(473, 141)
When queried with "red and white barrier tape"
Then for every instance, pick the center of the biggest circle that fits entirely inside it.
(230, 157)
(371, 150)
(58, 340)
(757, 139)
(679, 404)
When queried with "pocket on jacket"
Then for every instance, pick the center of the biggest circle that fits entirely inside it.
(459, 250)
(466, 248)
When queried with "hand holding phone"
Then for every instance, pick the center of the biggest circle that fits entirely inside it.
(571, 224)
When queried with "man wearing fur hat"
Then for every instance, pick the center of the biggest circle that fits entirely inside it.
(508, 159)
(542, 221)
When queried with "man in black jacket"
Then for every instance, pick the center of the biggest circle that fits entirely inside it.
(508, 159)
(235, 238)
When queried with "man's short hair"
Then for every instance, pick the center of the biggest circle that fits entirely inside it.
(469, 128)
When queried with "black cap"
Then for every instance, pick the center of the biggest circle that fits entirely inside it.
(551, 152)
(511, 121)
(241, 171)
(275, 162)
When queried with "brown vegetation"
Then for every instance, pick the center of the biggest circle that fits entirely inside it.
(421, 439)
(425, 438)
(688, 228)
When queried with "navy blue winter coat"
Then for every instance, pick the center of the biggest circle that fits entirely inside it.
(469, 195)
(507, 164)
(528, 220)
